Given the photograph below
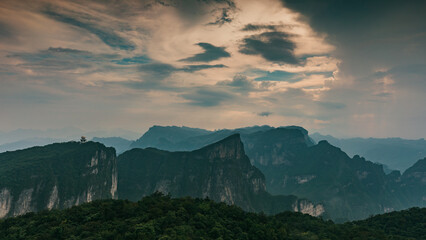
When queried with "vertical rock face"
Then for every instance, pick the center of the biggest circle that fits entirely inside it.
(220, 171)
(308, 207)
(413, 184)
(56, 176)
(5, 202)
(348, 188)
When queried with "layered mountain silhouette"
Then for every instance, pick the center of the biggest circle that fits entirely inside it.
(395, 153)
(241, 166)
(220, 171)
(349, 188)
(172, 138)
(120, 144)
(66, 174)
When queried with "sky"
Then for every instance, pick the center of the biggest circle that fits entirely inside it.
(345, 68)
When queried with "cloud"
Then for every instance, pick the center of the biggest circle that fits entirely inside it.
(108, 36)
(133, 60)
(278, 76)
(210, 53)
(331, 105)
(217, 12)
(257, 27)
(207, 97)
(6, 32)
(250, 59)
(61, 59)
(264, 114)
(240, 82)
(272, 46)
(224, 18)
(156, 71)
(194, 68)
(160, 71)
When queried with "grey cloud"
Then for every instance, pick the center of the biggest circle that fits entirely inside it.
(406, 75)
(272, 46)
(264, 114)
(331, 105)
(383, 94)
(207, 97)
(194, 68)
(159, 71)
(223, 18)
(240, 82)
(194, 10)
(412, 76)
(257, 27)
(6, 32)
(61, 59)
(386, 33)
(210, 53)
(108, 36)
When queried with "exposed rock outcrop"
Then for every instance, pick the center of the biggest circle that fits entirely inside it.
(220, 171)
(56, 176)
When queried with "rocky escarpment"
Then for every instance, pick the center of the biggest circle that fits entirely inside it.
(56, 176)
(349, 188)
(220, 171)
(413, 184)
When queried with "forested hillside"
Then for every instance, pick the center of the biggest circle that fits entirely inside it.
(161, 217)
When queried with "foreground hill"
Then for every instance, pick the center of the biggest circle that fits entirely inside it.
(160, 217)
(59, 175)
(220, 171)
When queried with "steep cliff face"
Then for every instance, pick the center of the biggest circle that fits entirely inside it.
(220, 171)
(413, 184)
(349, 188)
(56, 176)
(276, 146)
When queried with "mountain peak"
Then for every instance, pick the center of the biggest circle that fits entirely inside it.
(324, 142)
(229, 148)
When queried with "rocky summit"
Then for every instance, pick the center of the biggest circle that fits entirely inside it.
(220, 171)
(56, 176)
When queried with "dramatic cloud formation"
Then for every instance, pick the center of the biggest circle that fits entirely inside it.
(210, 53)
(272, 46)
(214, 64)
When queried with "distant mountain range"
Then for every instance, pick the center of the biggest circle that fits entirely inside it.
(349, 188)
(24, 138)
(120, 144)
(396, 153)
(27, 143)
(241, 166)
(220, 171)
(61, 175)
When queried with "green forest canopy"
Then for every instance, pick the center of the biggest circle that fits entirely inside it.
(162, 217)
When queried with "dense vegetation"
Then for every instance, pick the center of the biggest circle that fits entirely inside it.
(161, 217)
